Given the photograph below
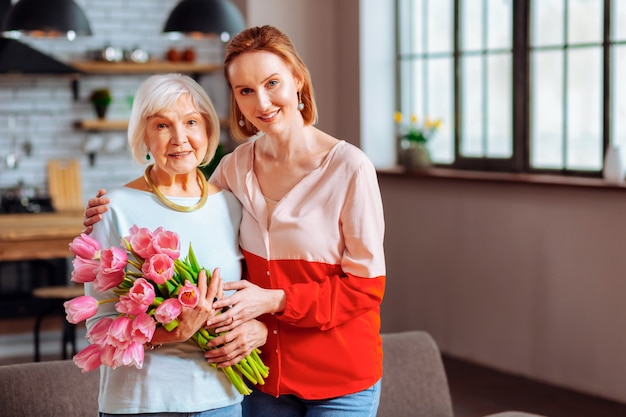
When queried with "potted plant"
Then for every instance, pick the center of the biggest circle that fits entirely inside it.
(413, 140)
(101, 98)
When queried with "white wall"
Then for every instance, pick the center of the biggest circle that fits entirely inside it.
(312, 27)
(46, 109)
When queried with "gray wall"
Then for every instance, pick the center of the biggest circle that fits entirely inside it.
(525, 278)
(46, 109)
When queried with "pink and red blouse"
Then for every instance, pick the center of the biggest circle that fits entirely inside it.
(323, 245)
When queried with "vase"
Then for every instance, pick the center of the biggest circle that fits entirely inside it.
(101, 110)
(417, 156)
(613, 170)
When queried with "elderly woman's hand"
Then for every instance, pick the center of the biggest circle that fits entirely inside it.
(191, 320)
(237, 343)
(95, 207)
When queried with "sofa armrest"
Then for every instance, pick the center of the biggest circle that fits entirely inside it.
(414, 381)
(52, 389)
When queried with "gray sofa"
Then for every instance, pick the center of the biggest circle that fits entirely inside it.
(50, 389)
(414, 379)
(414, 384)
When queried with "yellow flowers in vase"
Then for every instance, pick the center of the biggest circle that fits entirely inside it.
(414, 137)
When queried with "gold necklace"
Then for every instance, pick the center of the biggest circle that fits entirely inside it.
(174, 206)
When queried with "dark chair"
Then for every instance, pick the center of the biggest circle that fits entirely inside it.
(64, 187)
(54, 297)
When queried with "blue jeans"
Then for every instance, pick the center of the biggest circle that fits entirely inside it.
(230, 411)
(360, 404)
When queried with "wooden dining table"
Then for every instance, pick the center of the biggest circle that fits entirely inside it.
(32, 236)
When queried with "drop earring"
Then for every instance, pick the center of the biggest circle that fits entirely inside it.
(147, 157)
(300, 103)
(241, 122)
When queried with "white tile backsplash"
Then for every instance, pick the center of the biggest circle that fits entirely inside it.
(46, 109)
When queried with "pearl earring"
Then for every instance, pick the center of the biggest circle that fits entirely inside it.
(241, 122)
(300, 103)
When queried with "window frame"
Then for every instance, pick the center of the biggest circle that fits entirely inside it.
(521, 94)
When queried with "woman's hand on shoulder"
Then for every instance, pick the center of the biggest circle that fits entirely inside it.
(95, 207)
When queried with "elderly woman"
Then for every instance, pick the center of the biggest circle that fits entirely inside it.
(174, 125)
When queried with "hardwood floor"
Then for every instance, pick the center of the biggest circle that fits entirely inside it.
(478, 391)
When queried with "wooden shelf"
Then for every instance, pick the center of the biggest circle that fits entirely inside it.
(107, 125)
(102, 125)
(101, 67)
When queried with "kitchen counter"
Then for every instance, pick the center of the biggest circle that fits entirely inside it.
(38, 236)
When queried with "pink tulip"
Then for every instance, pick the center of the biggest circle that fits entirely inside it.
(113, 259)
(80, 308)
(126, 305)
(133, 354)
(120, 332)
(142, 292)
(168, 311)
(143, 329)
(112, 269)
(140, 240)
(107, 355)
(99, 332)
(106, 281)
(188, 295)
(166, 242)
(88, 359)
(158, 268)
(138, 298)
(85, 270)
(85, 246)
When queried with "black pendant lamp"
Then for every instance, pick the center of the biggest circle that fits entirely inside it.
(46, 18)
(200, 18)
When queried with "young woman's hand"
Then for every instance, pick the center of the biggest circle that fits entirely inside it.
(247, 303)
(95, 207)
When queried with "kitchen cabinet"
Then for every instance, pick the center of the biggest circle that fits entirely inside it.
(38, 236)
(33, 253)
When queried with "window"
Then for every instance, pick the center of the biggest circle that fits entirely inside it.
(521, 85)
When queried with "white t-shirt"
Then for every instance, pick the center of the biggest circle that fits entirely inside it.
(175, 378)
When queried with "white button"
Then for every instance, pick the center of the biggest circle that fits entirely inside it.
(275, 331)
(268, 273)
(276, 350)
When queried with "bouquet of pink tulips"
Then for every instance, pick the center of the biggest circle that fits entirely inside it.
(151, 285)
